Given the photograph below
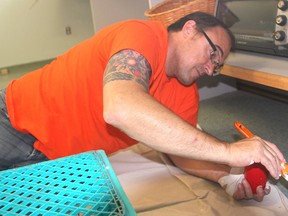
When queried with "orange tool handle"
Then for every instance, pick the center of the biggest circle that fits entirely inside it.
(243, 130)
(247, 133)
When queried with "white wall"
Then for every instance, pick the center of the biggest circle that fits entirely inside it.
(152, 3)
(106, 12)
(34, 30)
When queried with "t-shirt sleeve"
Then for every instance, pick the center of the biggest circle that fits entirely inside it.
(143, 38)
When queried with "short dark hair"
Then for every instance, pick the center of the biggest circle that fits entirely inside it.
(203, 21)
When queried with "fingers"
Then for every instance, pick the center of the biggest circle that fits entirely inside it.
(244, 191)
(269, 156)
(267, 190)
(247, 189)
(276, 150)
(272, 158)
(240, 193)
(259, 194)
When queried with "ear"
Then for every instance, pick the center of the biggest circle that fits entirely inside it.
(189, 28)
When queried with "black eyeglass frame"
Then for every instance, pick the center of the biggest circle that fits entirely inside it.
(218, 66)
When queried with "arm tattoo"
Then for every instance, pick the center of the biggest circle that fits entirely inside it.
(128, 65)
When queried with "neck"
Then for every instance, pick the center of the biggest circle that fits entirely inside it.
(170, 58)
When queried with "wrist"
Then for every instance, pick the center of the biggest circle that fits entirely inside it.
(227, 154)
(230, 183)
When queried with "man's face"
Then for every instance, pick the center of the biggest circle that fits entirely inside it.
(199, 53)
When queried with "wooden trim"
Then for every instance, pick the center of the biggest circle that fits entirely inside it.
(259, 77)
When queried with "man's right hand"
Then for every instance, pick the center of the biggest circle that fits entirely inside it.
(256, 150)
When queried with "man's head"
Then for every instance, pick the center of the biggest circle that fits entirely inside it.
(198, 44)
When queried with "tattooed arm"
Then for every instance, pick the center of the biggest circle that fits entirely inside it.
(128, 65)
(129, 107)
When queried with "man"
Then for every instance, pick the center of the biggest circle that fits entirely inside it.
(132, 82)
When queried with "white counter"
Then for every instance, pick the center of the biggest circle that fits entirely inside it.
(263, 69)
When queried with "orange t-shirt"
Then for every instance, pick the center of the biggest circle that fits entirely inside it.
(61, 104)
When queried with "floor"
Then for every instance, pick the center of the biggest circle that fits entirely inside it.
(265, 117)
(19, 70)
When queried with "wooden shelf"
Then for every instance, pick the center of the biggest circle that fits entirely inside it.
(258, 68)
(259, 77)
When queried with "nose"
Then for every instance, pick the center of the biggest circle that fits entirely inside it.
(209, 68)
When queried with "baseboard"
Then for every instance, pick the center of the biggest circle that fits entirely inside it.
(272, 93)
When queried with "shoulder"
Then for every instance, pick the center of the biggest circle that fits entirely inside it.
(142, 23)
(141, 27)
(149, 38)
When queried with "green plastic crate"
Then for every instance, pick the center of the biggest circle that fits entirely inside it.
(82, 184)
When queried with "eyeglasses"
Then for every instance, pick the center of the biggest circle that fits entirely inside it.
(214, 55)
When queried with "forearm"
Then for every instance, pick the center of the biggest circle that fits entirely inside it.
(149, 122)
(203, 169)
